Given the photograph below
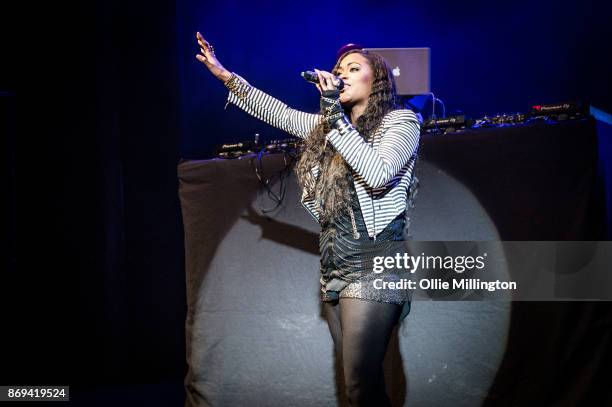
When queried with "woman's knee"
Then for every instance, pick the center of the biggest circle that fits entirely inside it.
(363, 385)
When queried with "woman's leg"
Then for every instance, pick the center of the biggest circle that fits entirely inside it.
(332, 316)
(331, 311)
(366, 329)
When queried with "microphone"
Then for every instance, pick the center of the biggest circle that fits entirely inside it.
(311, 76)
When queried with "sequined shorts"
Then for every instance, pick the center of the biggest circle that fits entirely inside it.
(346, 261)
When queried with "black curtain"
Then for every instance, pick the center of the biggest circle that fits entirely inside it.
(94, 288)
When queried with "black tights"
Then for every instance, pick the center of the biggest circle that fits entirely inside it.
(361, 330)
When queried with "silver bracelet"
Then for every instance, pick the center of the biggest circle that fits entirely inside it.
(343, 125)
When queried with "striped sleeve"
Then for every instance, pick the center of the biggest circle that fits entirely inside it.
(274, 112)
(397, 145)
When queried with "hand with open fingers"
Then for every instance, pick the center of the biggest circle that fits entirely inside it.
(208, 58)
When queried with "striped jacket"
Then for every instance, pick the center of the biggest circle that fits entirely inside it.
(382, 167)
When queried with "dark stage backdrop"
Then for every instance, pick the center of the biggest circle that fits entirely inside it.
(255, 332)
(94, 291)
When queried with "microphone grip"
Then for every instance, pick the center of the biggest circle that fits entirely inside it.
(311, 76)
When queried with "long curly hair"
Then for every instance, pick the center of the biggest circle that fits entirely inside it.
(332, 188)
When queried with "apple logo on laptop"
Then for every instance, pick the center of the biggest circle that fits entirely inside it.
(396, 71)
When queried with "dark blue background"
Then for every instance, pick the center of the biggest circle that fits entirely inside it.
(486, 57)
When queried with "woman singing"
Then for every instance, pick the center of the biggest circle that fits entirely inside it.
(356, 174)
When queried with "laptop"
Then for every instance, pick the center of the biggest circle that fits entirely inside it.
(410, 68)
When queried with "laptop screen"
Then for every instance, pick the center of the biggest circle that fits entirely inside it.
(410, 68)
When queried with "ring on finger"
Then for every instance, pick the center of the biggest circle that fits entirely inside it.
(210, 47)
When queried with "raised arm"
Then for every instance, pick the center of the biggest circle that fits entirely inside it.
(255, 102)
(269, 109)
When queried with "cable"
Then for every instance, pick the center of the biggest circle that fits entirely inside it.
(443, 108)
(434, 99)
(259, 172)
(407, 104)
(433, 105)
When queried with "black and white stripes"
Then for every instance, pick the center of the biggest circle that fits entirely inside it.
(382, 168)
